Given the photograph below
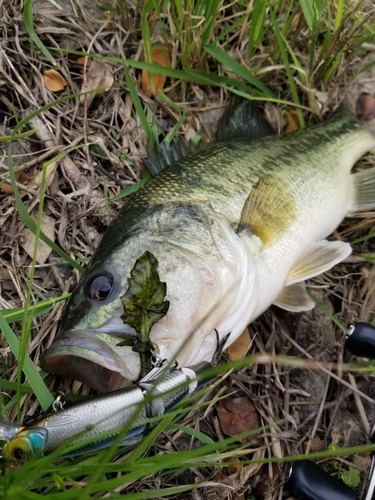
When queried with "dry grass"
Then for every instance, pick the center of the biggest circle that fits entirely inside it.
(320, 406)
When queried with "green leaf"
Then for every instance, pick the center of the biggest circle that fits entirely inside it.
(351, 477)
(143, 301)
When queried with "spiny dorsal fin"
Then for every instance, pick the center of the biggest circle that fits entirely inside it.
(269, 209)
(322, 256)
(294, 298)
(242, 118)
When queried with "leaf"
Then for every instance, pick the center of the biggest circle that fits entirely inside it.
(143, 301)
(81, 61)
(160, 57)
(238, 415)
(21, 177)
(53, 80)
(240, 346)
(99, 78)
(292, 122)
(44, 250)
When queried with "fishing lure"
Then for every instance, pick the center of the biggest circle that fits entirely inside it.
(95, 424)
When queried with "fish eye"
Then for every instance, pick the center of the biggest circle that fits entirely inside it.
(101, 287)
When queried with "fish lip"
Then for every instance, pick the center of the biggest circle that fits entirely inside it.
(88, 357)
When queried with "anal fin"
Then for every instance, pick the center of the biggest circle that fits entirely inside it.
(269, 209)
(364, 187)
(294, 298)
(321, 257)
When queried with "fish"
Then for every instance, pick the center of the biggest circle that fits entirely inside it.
(234, 228)
(91, 425)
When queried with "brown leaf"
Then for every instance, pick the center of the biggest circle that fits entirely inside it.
(292, 122)
(21, 177)
(162, 58)
(44, 250)
(99, 77)
(82, 60)
(240, 346)
(238, 415)
(49, 175)
(365, 106)
(53, 80)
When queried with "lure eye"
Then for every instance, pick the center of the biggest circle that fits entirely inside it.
(18, 454)
(101, 287)
(17, 449)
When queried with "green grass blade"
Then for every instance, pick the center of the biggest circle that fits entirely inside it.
(43, 307)
(258, 16)
(281, 42)
(193, 432)
(238, 69)
(136, 100)
(133, 188)
(44, 396)
(29, 221)
(307, 7)
(29, 25)
(9, 138)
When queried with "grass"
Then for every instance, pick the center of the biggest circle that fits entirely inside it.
(278, 53)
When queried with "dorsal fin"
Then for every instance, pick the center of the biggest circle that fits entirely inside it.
(242, 118)
(269, 209)
(166, 154)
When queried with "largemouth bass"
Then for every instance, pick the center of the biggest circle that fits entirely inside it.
(235, 228)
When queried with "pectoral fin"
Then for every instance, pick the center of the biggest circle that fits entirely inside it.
(269, 209)
(321, 257)
(364, 186)
(294, 298)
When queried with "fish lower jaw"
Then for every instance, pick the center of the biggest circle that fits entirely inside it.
(94, 359)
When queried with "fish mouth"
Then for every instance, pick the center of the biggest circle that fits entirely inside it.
(93, 358)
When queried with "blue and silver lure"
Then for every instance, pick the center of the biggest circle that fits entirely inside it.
(95, 424)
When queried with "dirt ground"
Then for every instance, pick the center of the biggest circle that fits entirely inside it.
(321, 404)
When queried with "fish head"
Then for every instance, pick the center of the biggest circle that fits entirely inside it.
(201, 268)
(91, 329)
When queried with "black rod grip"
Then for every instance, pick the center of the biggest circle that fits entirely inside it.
(361, 340)
(307, 481)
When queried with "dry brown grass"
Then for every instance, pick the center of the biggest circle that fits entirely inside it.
(318, 407)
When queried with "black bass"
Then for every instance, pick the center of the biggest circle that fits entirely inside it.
(235, 228)
(96, 423)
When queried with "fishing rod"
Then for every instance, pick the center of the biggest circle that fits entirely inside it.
(307, 481)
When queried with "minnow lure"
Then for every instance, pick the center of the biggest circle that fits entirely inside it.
(97, 423)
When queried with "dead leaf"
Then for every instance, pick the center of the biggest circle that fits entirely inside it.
(296, 20)
(48, 228)
(37, 180)
(81, 61)
(21, 177)
(292, 122)
(238, 415)
(99, 77)
(53, 80)
(162, 58)
(365, 106)
(240, 346)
